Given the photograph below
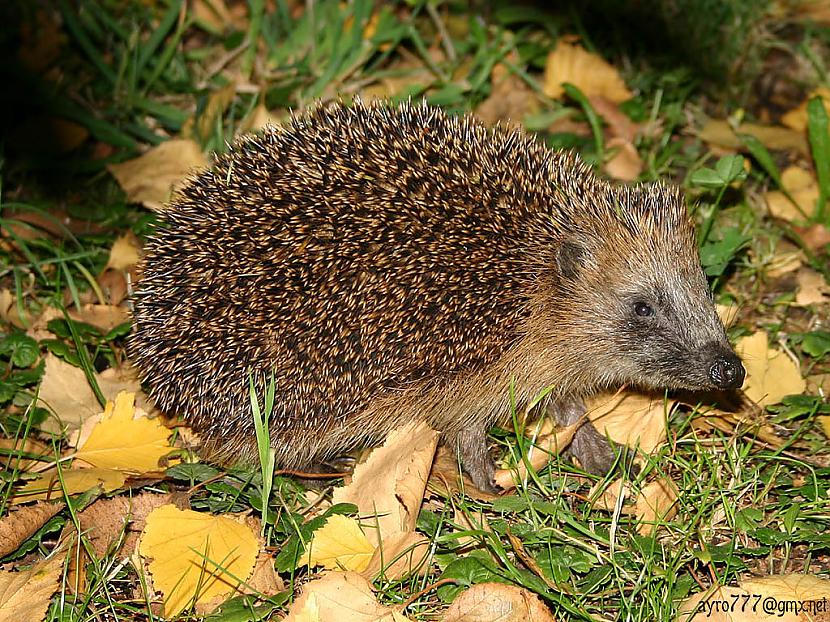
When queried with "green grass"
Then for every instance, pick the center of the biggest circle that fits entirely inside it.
(132, 74)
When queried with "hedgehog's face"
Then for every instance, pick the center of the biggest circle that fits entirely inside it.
(650, 319)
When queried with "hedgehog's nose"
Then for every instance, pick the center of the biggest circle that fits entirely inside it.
(727, 372)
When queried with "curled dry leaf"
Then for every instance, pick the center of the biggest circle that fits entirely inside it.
(803, 190)
(25, 595)
(496, 602)
(392, 481)
(625, 163)
(194, 557)
(770, 373)
(337, 597)
(151, 178)
(571, 63)
(632, 419)
(66, 393)
(656, 502)
(18, 526)
(812, 288)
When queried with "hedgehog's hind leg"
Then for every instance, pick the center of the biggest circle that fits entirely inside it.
(592, 449)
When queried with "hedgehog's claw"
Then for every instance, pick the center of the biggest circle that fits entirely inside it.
(476, 459)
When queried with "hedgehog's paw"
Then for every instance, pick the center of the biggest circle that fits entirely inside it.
(476, 459)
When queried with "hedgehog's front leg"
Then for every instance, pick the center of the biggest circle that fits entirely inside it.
(591, 448)
(475, 457)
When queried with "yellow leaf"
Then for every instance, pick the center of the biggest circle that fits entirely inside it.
(151, 178)
(48, 484)
(721, 133)
(121, 441)
(812, 288)
(588, 72)
(125, 252)
(625, 163)
(727, 314)
(25, 595)
(770, 373)
(196, 557)
(339, 545)
(496, 602)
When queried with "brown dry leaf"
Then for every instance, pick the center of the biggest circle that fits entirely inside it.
(196, 556)
(607, 497)
(804, 191)
(770, 374)
(588, 72)
(215, 16)
(632, 419)
(657, 502)
(151, 178)
(619, 124)
(783, 263)
(479, 523)
(48, 485)
(824, 420)
(791, 587)
(8, 309)
(719, 132)
(123, 438)
(65, 391)
(814, 237)
(797, 118)
(20, 525)
(728, 314)
(12, 457)
(399, 555)
(338, 597)
(496, 602)
(102, 317)
(391, 483)
(812, 288)
(216, 105)
(25, 595)
(40, 42)
(340, 544)
(625, 163)
(264, 578)
(510, 100)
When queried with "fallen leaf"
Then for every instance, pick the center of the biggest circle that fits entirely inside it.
(797, 118)
(340, 544)
(151, 178)
(497, 602)
(20, 454)
(728, 314)
(543, 447)
(713, 606)
(399, 555)
(770, 373)
(65, 392)
(803, 189)
(632, 419)
(815, 237)
(625, 163)
(570, 63)
(657, 502)
(18, 526)
(40, 40)
(195, 557)
(783, 262)
(719, 132)
(205, 124)
(49, 486)
(123, 438)
(125, 252)
(391, 483)
(25, 595)
(812, 288)
(789, 587)
(445, 478)
(619, 124)
(339, 597)
(510, 99)
(258, 118)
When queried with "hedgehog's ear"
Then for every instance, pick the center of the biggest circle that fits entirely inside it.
(571, 258)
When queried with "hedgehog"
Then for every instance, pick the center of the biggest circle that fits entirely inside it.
(390, 263)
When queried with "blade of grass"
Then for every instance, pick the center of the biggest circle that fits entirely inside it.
(818, 130)
(79, 34)
(159, 34)
(256, 10)
(593, 118)
(83, 357)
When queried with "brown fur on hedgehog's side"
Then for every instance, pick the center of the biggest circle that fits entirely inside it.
(392, 263)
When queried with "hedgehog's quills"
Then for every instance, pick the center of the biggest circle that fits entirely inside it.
(393, 263)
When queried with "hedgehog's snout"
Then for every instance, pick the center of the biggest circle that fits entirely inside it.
(727, 372)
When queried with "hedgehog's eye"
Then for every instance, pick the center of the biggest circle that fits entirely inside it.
(643, 310)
